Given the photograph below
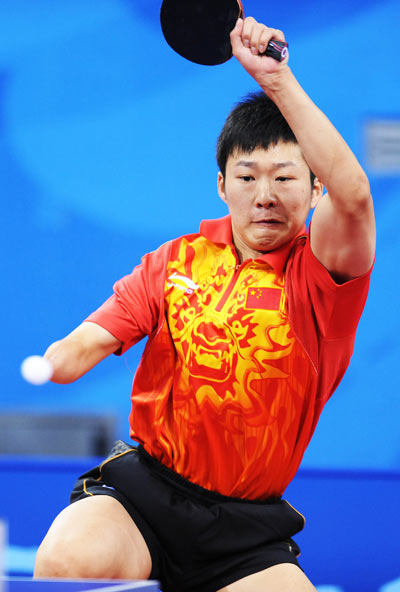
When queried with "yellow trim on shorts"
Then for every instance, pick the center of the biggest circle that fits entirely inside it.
(113, 458)
(84, 488)
(101, 467)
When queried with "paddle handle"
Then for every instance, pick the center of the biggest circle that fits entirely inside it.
(277, 50)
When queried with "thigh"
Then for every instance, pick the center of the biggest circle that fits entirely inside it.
(284, 577)
(95, 537)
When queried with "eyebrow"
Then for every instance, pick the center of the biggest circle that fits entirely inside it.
(275, 165)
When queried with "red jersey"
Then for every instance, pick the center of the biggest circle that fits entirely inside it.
(240, 358)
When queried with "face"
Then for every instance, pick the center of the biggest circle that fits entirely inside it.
(269, 196)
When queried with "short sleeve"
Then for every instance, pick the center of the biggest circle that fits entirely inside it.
(338, 307)
(321, 310)
(133, 311)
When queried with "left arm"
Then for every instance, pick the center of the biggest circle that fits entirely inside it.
(343, 226)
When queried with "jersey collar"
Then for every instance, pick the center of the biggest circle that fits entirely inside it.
(220, 231)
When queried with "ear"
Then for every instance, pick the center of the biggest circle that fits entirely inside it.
(221, 186)
(316, 192)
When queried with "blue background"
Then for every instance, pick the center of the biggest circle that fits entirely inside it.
(107, 142)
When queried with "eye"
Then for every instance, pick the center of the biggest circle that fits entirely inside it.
(281, 179)
(246, 178)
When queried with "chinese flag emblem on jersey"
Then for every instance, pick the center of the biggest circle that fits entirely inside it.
(264, 298)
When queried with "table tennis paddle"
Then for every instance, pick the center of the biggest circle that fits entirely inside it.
(199, 30)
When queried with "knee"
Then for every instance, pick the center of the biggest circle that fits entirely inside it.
(95, 538)
(67, 559)
(50, 563)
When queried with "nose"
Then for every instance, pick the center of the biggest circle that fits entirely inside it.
(265, 197)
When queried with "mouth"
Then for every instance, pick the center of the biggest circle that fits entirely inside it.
(268, 222)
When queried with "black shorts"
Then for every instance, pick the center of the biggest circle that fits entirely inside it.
(199, 540)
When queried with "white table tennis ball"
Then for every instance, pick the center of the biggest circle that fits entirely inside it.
(36, 369)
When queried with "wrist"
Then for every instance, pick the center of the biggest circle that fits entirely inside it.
(276, 83)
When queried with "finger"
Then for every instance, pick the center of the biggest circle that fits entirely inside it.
(260, 37)
(266, 34)
(264, 37)
(236, 36)
(277, 34)
(247, 33)
(256, 36)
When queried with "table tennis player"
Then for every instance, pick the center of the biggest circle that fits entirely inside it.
(251, 325)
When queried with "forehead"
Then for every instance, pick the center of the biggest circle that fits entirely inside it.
(280, 153)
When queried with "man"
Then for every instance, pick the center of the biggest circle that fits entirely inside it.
(251, 325)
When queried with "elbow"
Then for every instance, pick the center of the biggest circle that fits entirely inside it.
(362, 191)
(64, 358)
(356, 200)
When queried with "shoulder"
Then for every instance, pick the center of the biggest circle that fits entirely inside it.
(302, 260)
(313, 293)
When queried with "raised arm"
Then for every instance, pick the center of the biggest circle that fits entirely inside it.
(77, 353)
(343, 225)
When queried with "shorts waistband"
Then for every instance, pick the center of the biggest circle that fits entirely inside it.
(201, 493)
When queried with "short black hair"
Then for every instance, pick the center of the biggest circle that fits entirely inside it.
(254, 122)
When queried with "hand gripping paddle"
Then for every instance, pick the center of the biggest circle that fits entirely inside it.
(199, 30)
